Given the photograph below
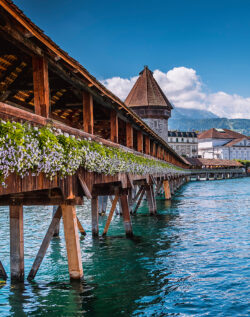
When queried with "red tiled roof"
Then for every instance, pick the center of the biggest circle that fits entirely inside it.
(216, 134)
(146, 92)
(213, 162)
(235, 141)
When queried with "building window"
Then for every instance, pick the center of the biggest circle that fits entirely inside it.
(176, 139)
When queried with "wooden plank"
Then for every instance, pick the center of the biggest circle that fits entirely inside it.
(72, 242)
(3, 274)
(84, 186)
(130, 181)
(113, 126)
(95, 216)
(126, 215)
(129, 135)
(41, 86)
(88, 113)
(45, 244)
(137, 194)
(139, 141)
(80, 227)
(16, 243)
(113, 207)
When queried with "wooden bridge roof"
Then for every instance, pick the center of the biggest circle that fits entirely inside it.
(40, 44)
(147, 92)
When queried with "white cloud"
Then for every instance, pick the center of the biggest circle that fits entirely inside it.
(184, 88)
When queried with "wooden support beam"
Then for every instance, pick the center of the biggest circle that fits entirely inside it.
(113, 126)
(16, 243)
(114, 203)
(154, 149)
(3, 274)
(80, 227)
(129, 135)
(167, 189)
(72, 241)
(150, 199)
(137, 194)
(95, 216)
(126, 215)
(45, 244)
(88, 113)
(147, 145)
(41, 86)
(139, 141)
(57, 228)
(84, 187)
(142, 192)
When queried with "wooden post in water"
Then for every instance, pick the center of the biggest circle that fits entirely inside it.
(167, 189)
(151, 199)
(2, 272)
(72, 241)
(126, 215)
(110, 215)
(16, 243)
(57, 228)
(95, 216)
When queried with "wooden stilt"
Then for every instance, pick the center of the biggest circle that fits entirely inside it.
(57, 228)
(150, 199)
(167, 189)
(153, 198)
(16, 243)
(80, 227)
(126, 215)
(111, 200)
(2, 272)
(130, 202)
(110, 215)
(46, 241)
(138, 194)
(72, 241)
(139, 200)
(95, 216)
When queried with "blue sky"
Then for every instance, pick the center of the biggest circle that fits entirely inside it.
(116, 38)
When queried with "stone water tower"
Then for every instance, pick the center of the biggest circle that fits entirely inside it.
(150, 103)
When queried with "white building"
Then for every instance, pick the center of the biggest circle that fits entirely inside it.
(223, 144)
(184, 143)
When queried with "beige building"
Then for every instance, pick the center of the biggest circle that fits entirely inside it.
(184, 143)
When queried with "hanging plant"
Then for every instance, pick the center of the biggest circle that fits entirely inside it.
(25, 149)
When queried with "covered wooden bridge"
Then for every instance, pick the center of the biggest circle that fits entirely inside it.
(41, 84)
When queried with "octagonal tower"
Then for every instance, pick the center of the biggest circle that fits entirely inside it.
(150, 103)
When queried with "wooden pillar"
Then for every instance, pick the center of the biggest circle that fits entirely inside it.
(113, 126)
(114, 202)
(126, 215)
(150, 199)
(16, 243)
(72, 241)
(139, 141)
(88, 113)
(147, 145)
(154, 149)
(41, 86)
(167, 189)
(57, 228)
(3, 274)
(129, 135)
(95, 216)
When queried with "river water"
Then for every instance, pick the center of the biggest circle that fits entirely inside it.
(192, 259)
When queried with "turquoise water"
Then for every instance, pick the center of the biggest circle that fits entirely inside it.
(192, 259)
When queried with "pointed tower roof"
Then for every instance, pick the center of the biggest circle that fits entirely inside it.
(146, 92)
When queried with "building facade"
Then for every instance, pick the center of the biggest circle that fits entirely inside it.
(223, 144)
(184, 143)
(150, 103)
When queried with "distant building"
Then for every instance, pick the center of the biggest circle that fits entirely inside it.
(149, 102)
(223, 144)
(184, 143)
